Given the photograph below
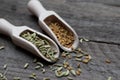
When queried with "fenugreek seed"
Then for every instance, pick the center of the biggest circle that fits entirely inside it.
(66, 63)
(88, 57)
(69, 68)
(69, 78)
(46, 78)
(63, 55)
(2, 47)
(16, 78)
(26, 65)
(79, 56)
(78, 65)
(79, 49)
(107, 61)
(64, 36)
(5, 66)
(73, 72)
(85, 61)
(78, 71)
(37, 67)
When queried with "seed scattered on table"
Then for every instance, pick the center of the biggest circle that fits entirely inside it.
(26, 65)
(107, 61)
(16, 78)
(33, 76)
(109, 78)
(2, 47)
(5, 66)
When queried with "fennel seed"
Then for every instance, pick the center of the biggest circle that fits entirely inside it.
(16, 78)
(26, 65)
(2, 47)
(5, 66)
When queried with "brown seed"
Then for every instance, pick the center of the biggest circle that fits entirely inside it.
(78, 65)
(107, 61)
(85, 61)
(88, 57)
(69, 56)
(64, 36)
(69, 68)
(65, 66)
(63, 55)
(78, 71)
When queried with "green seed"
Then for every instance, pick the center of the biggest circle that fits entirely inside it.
(109, 78)
(43, 70)
(81, 40)
(58, 65)
(66, 73)
(37, 67)
(39, 63)
(86, 40)
(43, 45)
(2, 47)
(58, 74)
(78, 59)
(16, 78)
(33, 76)
(46, 78)
(26, 65)
(35, 60)
(69, 78)
(5, 66)
(73, 72)
(60, 68)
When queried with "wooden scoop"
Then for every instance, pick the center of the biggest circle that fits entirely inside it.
(46, 17)
(15, 32)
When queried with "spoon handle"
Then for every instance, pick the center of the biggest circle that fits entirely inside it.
(36, 7)
(6, 27)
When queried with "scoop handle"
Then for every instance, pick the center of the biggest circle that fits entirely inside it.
(36, 7)
(5, 27)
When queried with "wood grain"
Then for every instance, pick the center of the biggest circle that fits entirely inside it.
(97, 20)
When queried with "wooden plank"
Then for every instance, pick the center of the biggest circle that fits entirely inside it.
(97, 20)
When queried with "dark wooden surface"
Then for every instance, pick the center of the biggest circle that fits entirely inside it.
(97, 20)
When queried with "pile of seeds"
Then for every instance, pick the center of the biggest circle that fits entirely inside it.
(65, 37)
(43, 45)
